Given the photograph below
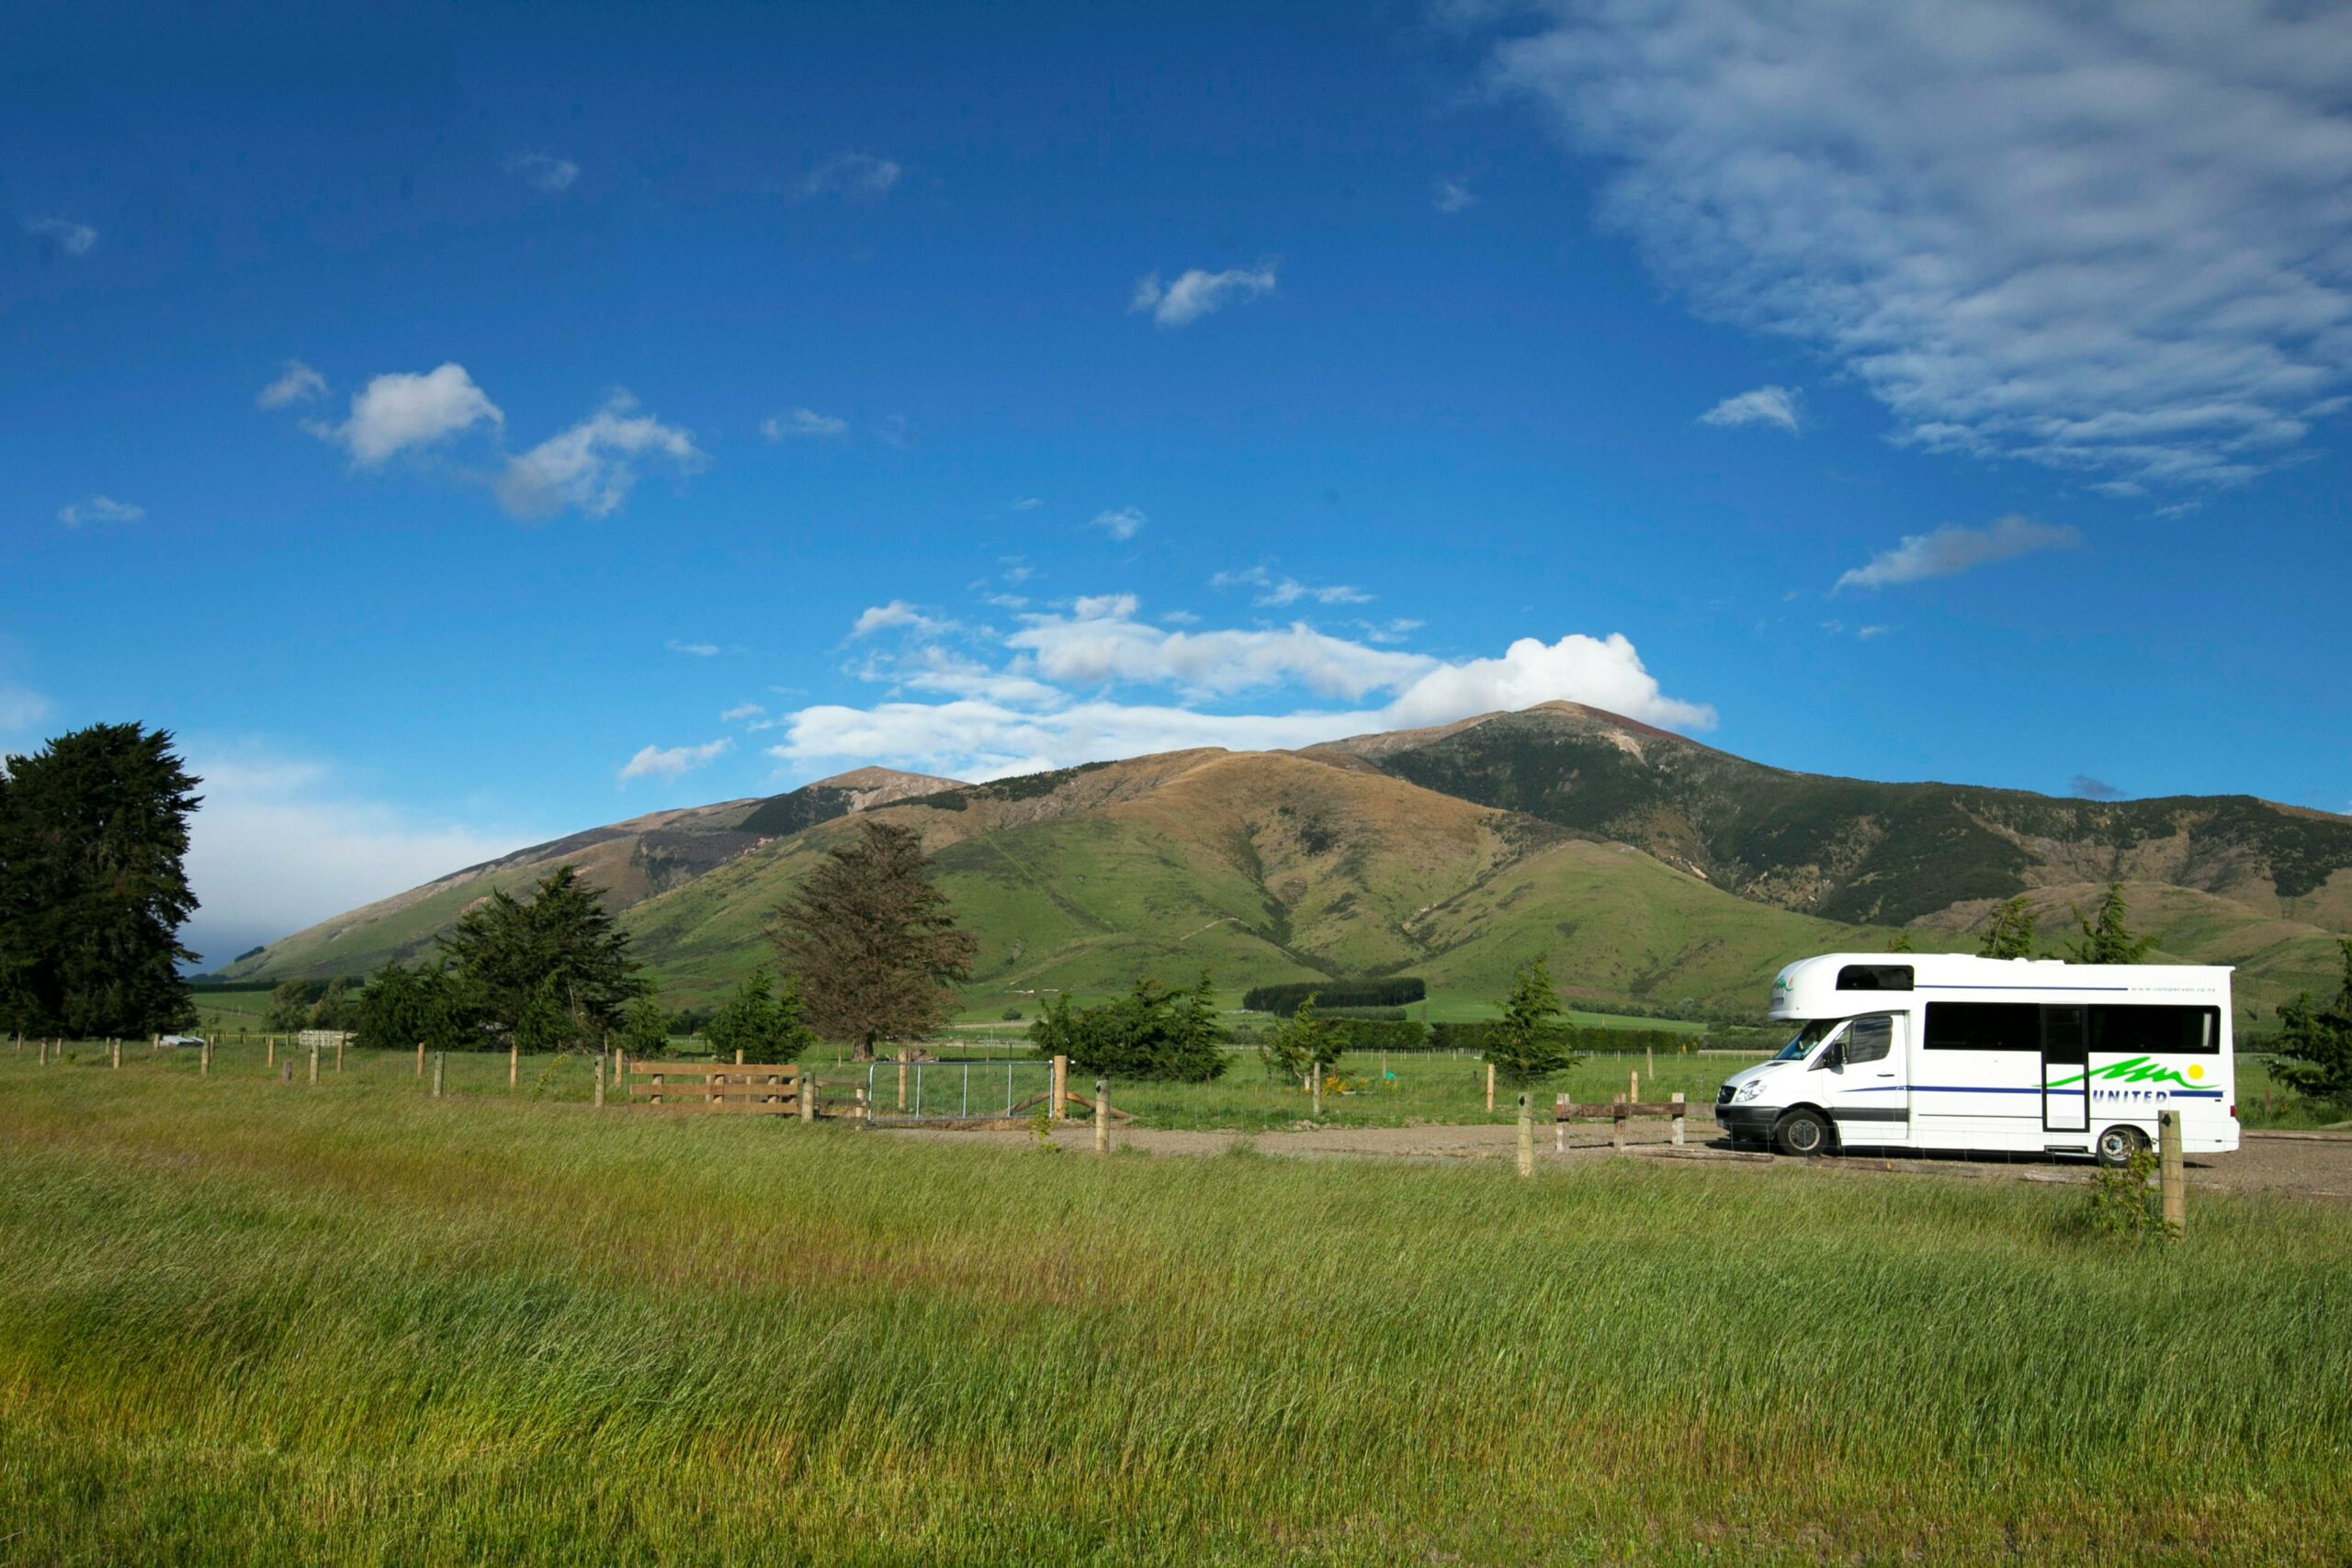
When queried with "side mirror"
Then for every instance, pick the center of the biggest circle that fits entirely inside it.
(1833, 1059)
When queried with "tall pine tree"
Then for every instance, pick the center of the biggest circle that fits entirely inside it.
(871, 942)
(93, 888)
(553, 970)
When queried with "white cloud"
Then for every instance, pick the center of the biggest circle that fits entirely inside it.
(2109, 238)
(1780, 406)
(854, 177)
(699, 650)
(279, 843)
(297, 383)
(1025, 503)
(1124, 524)
(669, 763)
(593, 466)
(1869, 634)
(742, 711)
(1605, 672)
(1453, 196)
(1274, 591)
(897, 616)
(400, 410)
(1951, 551)
(1196, 293)
(543, 172)
(98, 508)
(62, 235)
(21, 707)
(1389, 631)
(803, 423)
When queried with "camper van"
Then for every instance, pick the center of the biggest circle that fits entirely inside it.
(1940, 1051)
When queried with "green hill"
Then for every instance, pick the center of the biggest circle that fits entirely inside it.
(1646, 868)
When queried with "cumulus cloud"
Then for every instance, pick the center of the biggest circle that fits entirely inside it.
(1780, 406)
(1195, 293)
(897, 616)
(853, 176)
(282, 841)
(670, 763)
(543, 172)
(1950, 551)
(2090, 788)
(1453, 196)
(593, 466)
(297, 383)
(403, 411)
(1095, 681)
(98, 508)
(2109, 238)
(804, 424)
(1273, 592)
(62, 235)
(1124, 524)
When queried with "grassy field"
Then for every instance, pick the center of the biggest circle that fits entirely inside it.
(241, 1321)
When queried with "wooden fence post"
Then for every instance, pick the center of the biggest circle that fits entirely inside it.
(420, 1060)
(1649, 1061)
(1526, 1134)
(513, 1065)
(861, 1107)
(1314, 1088)
(2172, 1178)
(739, 1056)
(1560, 1126)
(1679, 1110)
(338, 1053)
(1102, 1116)
(271, 1042)
(902, 1080)
(204, 1060)
(658, 1078)
(285, 1070)
(1634, 1089)
(1490, 1088)
(1058, 1088)
(44, 1052)
(440, 1071)
(115, 1046)
(805, 1086)
(599, 1081)
(314, 1061)
(1617, 1125)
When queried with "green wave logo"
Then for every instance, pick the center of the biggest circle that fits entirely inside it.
(2138, 1070)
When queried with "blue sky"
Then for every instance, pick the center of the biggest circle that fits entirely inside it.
(440, 419)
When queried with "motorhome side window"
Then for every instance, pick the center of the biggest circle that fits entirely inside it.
(1983, 1026)
(2156, 1031)
(1869, 1039)
(1874, 978)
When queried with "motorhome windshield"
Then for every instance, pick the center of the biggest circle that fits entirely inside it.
(1811, 1035)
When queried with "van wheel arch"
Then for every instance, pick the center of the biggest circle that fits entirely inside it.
(2116, 1144)
(1804, 1131)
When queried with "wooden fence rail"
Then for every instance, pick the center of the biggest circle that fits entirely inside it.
(757, 1088)
(1617, 1113)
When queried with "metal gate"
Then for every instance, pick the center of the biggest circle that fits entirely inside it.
(957, 1094)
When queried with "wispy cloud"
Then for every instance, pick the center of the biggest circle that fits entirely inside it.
(2109, 238)
(1273, 591)
(1950, 551)
(699, 649)
(296, 383)
(1453, 196)
(1196, 293)
(62, 235)
(1123, 523)
(804, 424)
(98, 508)
(853, 176)
(742, 711)
(1024, 504)
(21, 707)
(1780, 407)
(543, 172)
(671, 761)
(592, 466)
(2090, 788)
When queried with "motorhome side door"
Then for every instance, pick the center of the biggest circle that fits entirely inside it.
(1870, 1095)
(2065, 1070)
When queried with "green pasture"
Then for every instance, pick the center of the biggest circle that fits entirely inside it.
(243, 1321)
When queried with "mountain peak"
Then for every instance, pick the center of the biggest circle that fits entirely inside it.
(870, 788)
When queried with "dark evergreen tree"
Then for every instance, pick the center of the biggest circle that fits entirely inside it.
(1153, 1033)
(1304, 1040)
(757, 1021)
(402, 1008)
(553, 969)
(645, 1028)
(871, 942)
(290, 1002)
(93, 887)
(1529, 1042)
(2107, 936)
(2010, 933)
(2315, 1051)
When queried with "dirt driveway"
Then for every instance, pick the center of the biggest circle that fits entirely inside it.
(2308, 1165)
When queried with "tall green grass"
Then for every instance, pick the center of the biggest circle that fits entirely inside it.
(243, 1321)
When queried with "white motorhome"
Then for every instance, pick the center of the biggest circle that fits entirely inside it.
(1941, 1051)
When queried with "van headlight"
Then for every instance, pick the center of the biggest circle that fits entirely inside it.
(1749, 1090)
